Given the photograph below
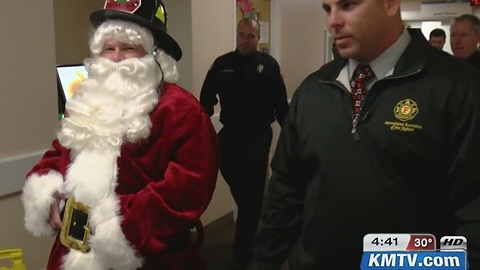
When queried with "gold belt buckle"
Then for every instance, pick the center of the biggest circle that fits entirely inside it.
(75, 229)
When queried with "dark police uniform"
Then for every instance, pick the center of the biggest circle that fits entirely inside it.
(252, 95)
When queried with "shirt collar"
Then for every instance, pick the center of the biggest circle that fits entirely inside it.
(385, 63)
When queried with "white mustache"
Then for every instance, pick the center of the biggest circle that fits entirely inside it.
(112, 105)
(137, 68)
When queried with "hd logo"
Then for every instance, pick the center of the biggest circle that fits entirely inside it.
(453, 243)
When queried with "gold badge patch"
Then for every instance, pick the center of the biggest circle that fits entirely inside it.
(406, 110)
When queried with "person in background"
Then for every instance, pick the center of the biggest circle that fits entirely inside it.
(437, 38)
(252, 96)
(136, 158)
(384, 139)
(465, 37)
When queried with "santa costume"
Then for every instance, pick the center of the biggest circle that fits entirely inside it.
(136, 160)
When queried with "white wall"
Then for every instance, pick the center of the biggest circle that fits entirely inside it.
(212, 35)
(180, 28)
(301, 41)
(28, 113)
(27, 76)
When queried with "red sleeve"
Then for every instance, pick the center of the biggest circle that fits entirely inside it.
(43, 180)
(56, 159)
(185, 153)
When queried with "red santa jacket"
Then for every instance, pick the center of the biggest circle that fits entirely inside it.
(161, 186)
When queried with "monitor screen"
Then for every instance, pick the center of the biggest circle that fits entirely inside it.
(69, 78)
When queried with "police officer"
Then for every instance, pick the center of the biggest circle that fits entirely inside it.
(252, 96)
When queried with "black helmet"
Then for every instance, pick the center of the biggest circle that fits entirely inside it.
(150, 14)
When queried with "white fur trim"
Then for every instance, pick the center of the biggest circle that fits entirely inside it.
(91, 179)
(109, 249)
(109, 241)
(37, 198)
(92, 176)
(76, 260)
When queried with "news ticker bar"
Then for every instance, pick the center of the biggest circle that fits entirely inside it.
(411, 242)
(413, 251)
(415, 260)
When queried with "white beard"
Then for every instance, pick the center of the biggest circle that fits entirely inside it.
(112, 105)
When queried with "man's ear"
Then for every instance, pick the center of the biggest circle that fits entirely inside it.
(392, 7)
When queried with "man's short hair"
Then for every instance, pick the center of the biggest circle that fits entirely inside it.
(438, 32)
(474, 20)
(250, 21)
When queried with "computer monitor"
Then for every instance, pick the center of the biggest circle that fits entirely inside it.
(69, 78)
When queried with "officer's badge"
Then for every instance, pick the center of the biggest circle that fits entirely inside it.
(260, 68)
(406, 110)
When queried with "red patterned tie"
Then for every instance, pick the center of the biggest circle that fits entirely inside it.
(362, 74)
